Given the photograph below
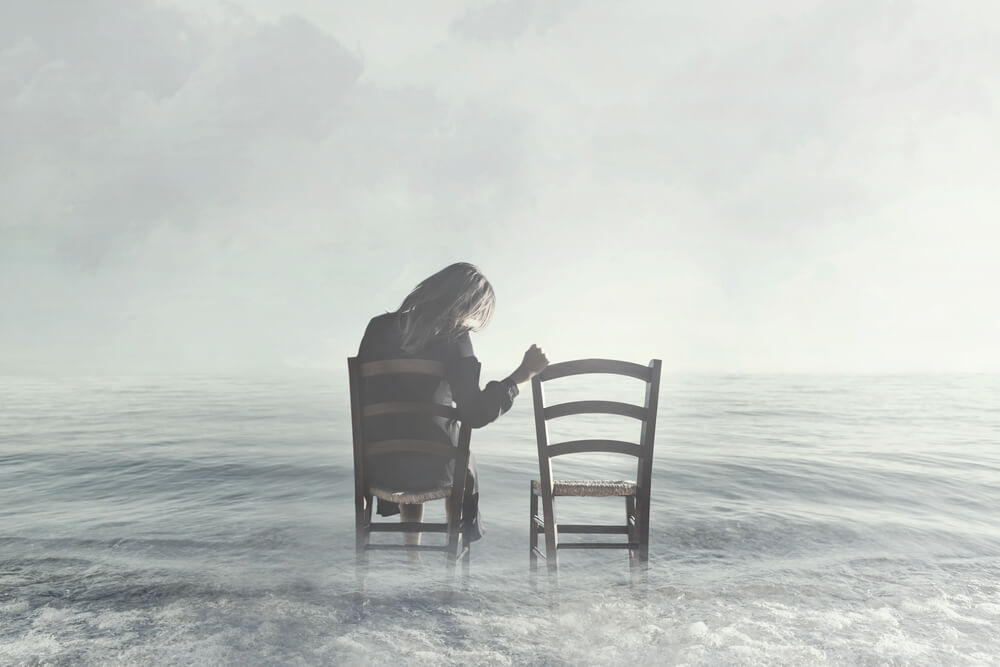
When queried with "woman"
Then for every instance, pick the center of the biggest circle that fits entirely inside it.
(434, 322)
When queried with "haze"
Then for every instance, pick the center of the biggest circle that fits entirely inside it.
(784, 186)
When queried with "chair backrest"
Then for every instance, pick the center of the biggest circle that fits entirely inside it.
(646, 413)
(361, 408)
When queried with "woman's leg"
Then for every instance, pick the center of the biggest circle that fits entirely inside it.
(411, 513)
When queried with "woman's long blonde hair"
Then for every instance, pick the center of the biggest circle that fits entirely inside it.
(456, 299)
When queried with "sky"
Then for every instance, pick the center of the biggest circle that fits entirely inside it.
(238, 186)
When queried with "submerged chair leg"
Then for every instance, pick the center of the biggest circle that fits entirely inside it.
(533, 529)
(362, 531)
(631, 523)
(458, 545)
(362, 537)
(643, 521)
(551, 532)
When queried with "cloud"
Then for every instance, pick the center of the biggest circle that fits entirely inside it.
(181, 187)
(782, 185)
(507, 20)
(144, 122)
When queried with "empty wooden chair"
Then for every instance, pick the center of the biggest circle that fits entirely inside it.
(636, 492)
(455, 546)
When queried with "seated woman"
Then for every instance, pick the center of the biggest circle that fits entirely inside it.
(433, 322)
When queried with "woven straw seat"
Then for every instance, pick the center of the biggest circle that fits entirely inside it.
(411, 497)
(591, 488)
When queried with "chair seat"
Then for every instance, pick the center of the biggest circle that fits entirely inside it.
(591, 488)
(411, 497)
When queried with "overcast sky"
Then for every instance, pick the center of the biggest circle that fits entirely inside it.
(779, 185)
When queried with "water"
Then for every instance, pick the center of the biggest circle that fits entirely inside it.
(843, 520)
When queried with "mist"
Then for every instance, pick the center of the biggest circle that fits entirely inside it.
(786, 186)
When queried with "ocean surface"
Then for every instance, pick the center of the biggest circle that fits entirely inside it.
(796, 520)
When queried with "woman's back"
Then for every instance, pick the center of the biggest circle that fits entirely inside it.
(433, 322)
(404, 472)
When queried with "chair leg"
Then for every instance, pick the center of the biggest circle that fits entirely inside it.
(631, 522)
(362, 537)
(643, 511)
(532, 529)
(359, 535)
(551, 532)
(453, 514)
(362, 530)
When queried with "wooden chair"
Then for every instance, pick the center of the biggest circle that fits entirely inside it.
(363, 450)
(636, 492)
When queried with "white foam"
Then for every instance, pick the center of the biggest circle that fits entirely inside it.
(898, 645)
(13, 607)
(119, 621)
(698, 629)
(53, 616)
(945, 606)
(884, 616)
(697, 623)
(32, 647)
(991, 608)
(836, 620)
(486, 658)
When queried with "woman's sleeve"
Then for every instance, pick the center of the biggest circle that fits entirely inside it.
(478, 407)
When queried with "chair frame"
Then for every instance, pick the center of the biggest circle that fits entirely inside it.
(636, 525)
(456, 546)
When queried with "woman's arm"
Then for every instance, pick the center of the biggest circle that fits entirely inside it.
(479, 407)
(534, 362)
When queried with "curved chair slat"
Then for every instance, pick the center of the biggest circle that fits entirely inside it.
(412, 497)
(394, 366)
(402, 407)
(599, 407)
(584, 446)
(581, 366)
(408, 446)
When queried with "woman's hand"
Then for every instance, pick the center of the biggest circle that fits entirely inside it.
(534, 362)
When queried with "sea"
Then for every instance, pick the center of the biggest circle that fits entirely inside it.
(208, 520)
